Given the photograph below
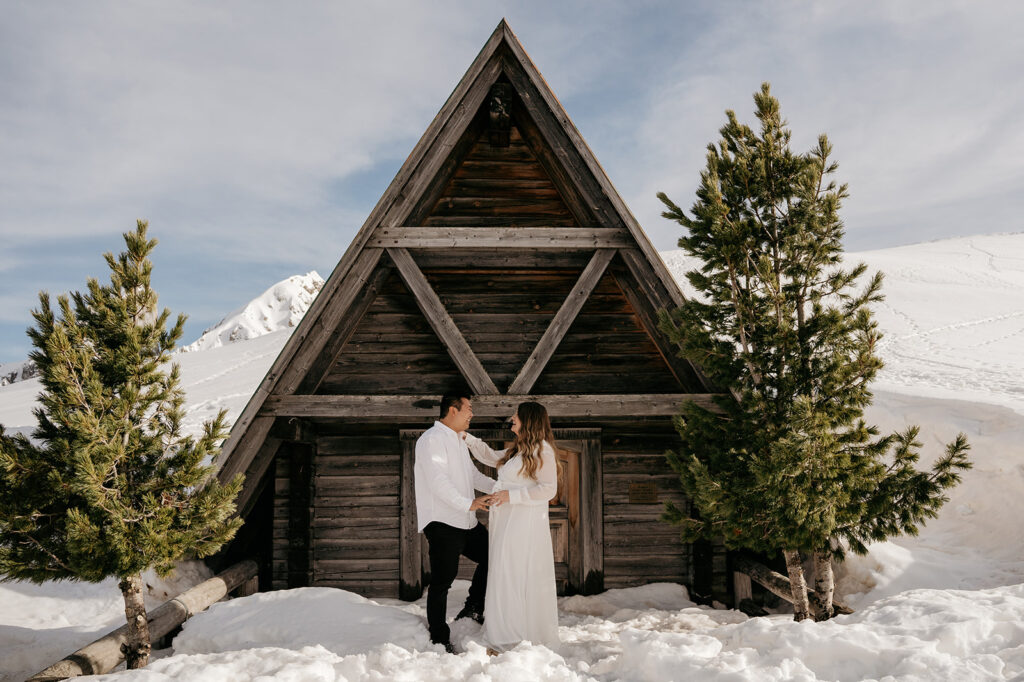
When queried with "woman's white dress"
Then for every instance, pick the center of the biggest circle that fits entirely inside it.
(521, 602)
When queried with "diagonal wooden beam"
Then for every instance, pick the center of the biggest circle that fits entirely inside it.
(442, 323)
(651, 298)
(324, 363)
(545, 348)
(681, 369)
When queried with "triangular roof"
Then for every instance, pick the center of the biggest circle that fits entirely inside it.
(586, 190)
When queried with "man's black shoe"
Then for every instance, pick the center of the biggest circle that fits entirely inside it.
(447, 644)
(471, 612)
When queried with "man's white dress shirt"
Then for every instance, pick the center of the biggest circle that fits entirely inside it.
(445, 478)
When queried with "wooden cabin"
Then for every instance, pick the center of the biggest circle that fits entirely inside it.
(500, 259)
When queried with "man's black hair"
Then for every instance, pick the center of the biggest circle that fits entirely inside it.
(452, 400)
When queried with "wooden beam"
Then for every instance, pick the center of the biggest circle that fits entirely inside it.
(500, 237)
(327, 323)
(294, 363)
(442, 323)
(106, 653)
(642, 272)
(486, 405)
(392, 208)
(320, 369)
(257, 469)
(564, 138)
(563, 319)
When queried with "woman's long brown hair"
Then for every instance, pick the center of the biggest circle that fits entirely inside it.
(534, 429)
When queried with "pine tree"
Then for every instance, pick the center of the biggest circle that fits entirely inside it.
(787, 463)
(110, 485)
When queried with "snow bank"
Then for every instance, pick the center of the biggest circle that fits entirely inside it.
(40, 624)
(279, 307)
(337, 620)
(333, 635)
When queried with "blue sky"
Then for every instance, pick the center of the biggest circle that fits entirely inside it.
(256, 136)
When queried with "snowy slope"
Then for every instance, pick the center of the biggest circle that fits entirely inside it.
(952, 319)
(945, 605)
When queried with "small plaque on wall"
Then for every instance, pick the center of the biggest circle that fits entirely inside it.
(643, 492)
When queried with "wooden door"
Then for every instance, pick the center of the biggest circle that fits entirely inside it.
(564, 517)
(563, 513)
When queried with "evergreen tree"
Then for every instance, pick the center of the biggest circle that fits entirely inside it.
(110, 486)
(788, 463)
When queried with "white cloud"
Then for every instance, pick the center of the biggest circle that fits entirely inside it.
(920, 101)
(262, 133)
(127, 106)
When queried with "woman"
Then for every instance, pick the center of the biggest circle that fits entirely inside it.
(520, 604)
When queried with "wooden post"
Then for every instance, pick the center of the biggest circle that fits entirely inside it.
(741, 587)
(105, 653)
(592, 516)
(410, 585)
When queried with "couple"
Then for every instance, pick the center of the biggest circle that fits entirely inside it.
(517, 593)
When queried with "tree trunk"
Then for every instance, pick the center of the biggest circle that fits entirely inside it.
(824, 587)
(137, 646)
(795, 568)
(776, 583)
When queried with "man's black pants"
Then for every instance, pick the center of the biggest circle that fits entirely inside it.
(447, 544)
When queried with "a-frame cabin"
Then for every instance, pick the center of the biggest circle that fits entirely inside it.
(500, 259)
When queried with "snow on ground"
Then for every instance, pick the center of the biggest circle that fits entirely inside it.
(946, 605)
(647, 633)
(40, 624)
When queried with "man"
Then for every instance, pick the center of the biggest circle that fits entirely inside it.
(445, 478)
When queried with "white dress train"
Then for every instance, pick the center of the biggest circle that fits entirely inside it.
(521, 601)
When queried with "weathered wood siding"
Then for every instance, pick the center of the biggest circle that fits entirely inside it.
(639, 548)
(500, 186)
(607, 350)
(356, 510)
(502, 313)
(392, 350)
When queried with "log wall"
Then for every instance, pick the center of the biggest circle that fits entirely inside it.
(639, 548)
(354, 514)
(356, 510)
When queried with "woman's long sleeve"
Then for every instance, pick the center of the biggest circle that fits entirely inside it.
(483, 452)
(547, 481)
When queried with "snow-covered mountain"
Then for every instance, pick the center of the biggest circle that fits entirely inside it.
(279, 307)
(948, 604)
(10, 372)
